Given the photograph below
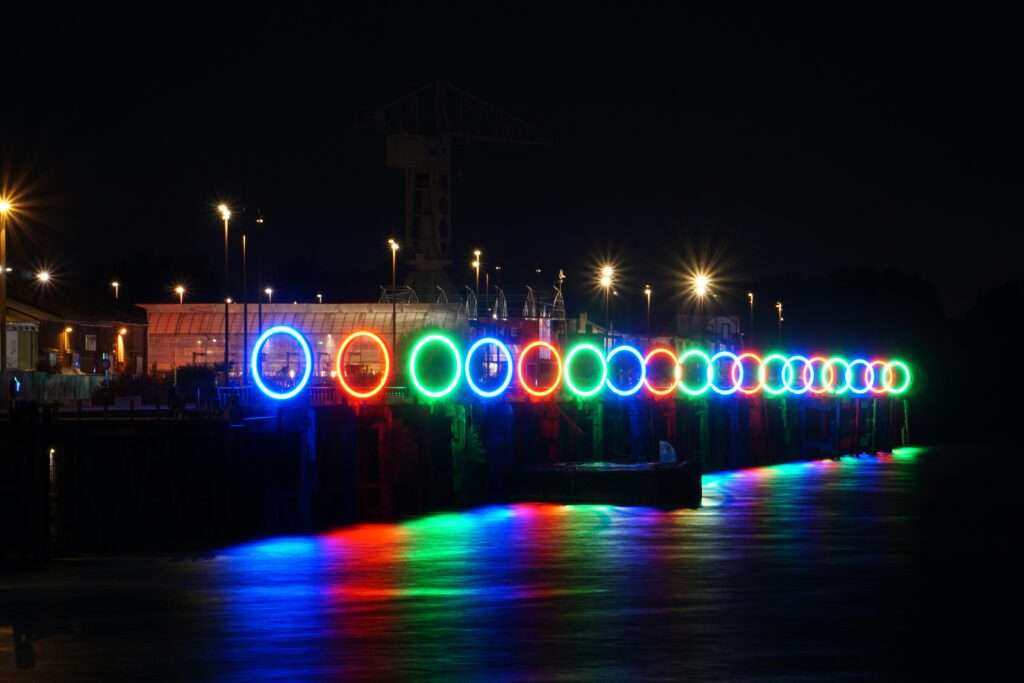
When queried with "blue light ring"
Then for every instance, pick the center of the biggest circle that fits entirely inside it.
(732, 372)
(255, 356)
(869, 376)
(643, 370)
(508, 367)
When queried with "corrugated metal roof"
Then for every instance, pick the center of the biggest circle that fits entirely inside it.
(311, 319)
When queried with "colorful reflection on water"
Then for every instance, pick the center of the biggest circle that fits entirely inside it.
(534, 590)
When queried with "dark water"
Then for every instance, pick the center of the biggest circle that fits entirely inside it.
(862, 569)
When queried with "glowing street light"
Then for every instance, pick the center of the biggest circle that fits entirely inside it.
(43, 277)
(778, 307)
(606, 278)
(225, 214)
(701, 285)
(750, 332)
(319, 298)
(476, 267)
(394, 261)
(270, 295)
(180, 291)
(647, 293)
(117, 287)
(6, 206)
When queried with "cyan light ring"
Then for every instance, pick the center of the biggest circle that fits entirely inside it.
(888, 373)
(846, 375)
(788, 375)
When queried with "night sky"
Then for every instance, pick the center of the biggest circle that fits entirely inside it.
(782, 145)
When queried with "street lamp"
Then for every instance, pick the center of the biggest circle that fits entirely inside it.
(778, 307)
(270, 295)
(701, 285)
(606, 278)
(225, 214)
(43, 277)
(394, 261)
(180, 291)
(750, 332)
(319, 298)
(647, 293)
(476, 267)
(117, 287)
(5, 208)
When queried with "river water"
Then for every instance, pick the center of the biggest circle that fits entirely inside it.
(811, 571)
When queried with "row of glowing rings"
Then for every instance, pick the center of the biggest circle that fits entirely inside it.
(818, 374)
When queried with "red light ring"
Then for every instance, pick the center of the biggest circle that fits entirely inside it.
(759, 374)
(338, 365)
(661, 350)
(519, 369)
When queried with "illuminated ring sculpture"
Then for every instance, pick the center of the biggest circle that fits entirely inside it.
(662, 351)
(254, 362)
(585, 393)
(869, 376)
(414, 375)
(847, 375)
(633, 351)
(519, 369)
(339, 365)
(888, 373)
(762, 374)
(788, 375)
(708, 372)
(878, 377)
(482, 393)
(732, 373)
(738, 367)
(808, 375)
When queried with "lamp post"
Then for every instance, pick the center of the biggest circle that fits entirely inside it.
(476, 267)
(180, 291)
(270, 295)
(606, 279)
(245, 314)
(647, 293)
(750, 331)
(700, 287)
(225, 214)
(778, 307)
(319, 298)
(5, 208)
(43, 277)
(394, 305)
(117, 286)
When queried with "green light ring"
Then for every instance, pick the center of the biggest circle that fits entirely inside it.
(888, 373)
(708, 373)
(762, 373)
(869, 376)
(414, 375)
(847, 376)
(585, 393)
